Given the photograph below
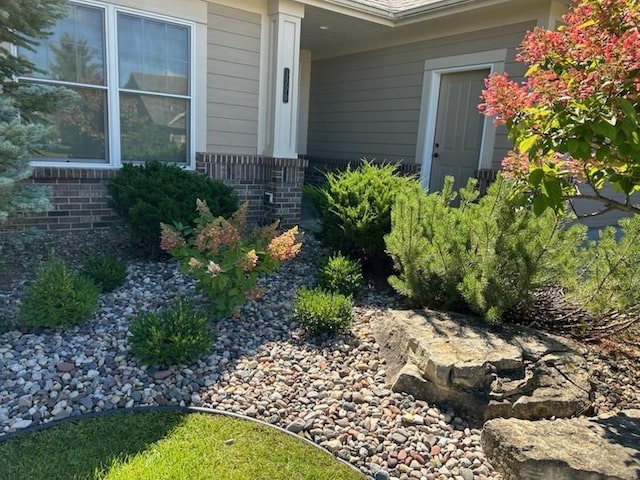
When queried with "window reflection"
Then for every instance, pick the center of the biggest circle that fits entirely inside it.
(153, 128)
(75, 51)
(78, 132)
(153, 55)
(152, 91)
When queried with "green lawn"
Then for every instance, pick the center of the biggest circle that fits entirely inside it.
(165, 445)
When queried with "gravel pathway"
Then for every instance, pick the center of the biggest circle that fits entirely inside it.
(328, 390)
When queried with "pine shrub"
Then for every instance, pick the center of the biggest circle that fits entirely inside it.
(340, 274)
(58, 297)
(106, 271)
(486, 256)
(174, 336)
(145, 196)
(319, 311)
(355, 208)
(608, 276)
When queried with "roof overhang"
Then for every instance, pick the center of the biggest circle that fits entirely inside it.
(396, 18)
(332, 28)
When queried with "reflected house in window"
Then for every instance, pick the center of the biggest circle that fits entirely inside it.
(153, 127)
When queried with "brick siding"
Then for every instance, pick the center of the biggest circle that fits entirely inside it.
(272, 186)
(78, 197)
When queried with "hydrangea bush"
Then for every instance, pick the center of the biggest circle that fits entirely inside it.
(225, 260)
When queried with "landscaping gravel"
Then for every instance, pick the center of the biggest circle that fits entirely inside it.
(328, 390)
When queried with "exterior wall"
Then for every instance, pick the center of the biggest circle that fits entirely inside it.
(233, 80)
(368, 104)
(78, 196)
(319, 166)
(228, 77)
(272, 186)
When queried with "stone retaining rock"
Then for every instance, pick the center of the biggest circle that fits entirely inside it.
(489, 373)
(600, 448)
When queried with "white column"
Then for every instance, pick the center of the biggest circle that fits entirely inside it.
(304, 87)
(284, 72)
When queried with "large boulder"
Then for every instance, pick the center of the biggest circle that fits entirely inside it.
(486, 372)
(601, 448)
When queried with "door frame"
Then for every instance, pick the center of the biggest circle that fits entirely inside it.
(434, 68)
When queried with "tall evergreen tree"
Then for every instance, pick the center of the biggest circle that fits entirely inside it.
(23, 106)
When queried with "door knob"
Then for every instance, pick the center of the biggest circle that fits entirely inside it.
(435, 155)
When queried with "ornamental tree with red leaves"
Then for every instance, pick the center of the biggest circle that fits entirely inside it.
(575, 118)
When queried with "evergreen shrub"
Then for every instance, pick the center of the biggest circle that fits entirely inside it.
(340, 274)
(319, 311)
(174, 336)
(106, 271)
(58, 297)
(486, 256)
(608, 275)
(147, 195)
(354, 208)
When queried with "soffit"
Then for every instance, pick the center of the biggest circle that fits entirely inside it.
(322, 29)
(328, 33)
(396, 6)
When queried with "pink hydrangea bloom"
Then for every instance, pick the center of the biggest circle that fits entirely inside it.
(170, 238)
(285, 246)
(213, 268)
(217, 233)
(194, 263)
(249, 261)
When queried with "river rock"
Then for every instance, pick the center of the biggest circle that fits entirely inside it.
(600, 448)
(487, 372)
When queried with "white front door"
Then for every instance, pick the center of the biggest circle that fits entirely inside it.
(459, 128)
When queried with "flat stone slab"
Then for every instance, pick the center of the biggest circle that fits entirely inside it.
(600, 448)
(486, 372)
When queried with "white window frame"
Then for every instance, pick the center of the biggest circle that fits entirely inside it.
(494, 60)
(113, 89)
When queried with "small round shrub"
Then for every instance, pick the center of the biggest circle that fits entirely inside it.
(176, 335)
(144, 196)
(341, 275)
(106, 271)
(319, 311)
(58, 297)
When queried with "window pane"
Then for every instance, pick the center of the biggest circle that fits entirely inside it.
(153, 56)
(177, 43)
(75, 51)
(154, 38)
(130, 34)
(130, 71)
(78, 132)
(153, 128)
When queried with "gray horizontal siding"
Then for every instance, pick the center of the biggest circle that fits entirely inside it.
(233, 72)
(368, 104)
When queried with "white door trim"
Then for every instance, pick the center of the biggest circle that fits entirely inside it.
(434, 68)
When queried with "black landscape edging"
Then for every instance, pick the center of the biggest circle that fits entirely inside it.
(169, 408)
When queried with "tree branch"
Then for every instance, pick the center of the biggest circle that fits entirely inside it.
(609, 203)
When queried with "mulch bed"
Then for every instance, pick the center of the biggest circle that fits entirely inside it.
(611, 344)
